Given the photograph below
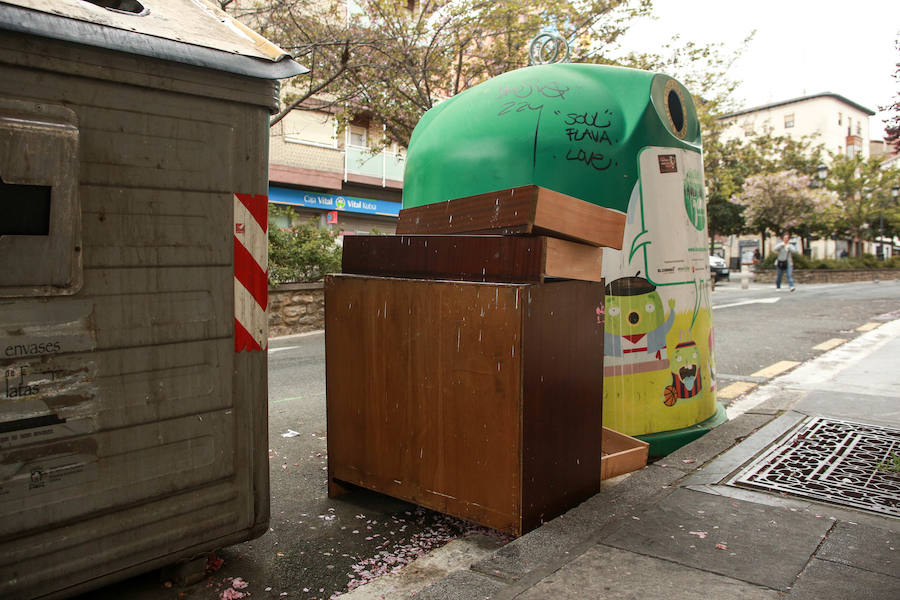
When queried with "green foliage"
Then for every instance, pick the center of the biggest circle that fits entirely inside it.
(866, 261)
(892, 465)
(728, 165)
(779, 202)
(863, 191)
(394, 60)
(300, 253)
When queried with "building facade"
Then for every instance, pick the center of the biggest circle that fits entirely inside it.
(335, 176)
(839, 124)
(836, 122)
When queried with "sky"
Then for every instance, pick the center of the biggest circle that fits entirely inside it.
(801, 47)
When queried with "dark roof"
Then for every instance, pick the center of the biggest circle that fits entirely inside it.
(182, 31)
(745, 111)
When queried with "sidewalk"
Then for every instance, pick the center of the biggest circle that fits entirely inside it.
(677, 529)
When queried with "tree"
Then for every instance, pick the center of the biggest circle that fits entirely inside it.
(892, 125)
(394, 60)
(779, 202)
(862, 187)
(728, 164)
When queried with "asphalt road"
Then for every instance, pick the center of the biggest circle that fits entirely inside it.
(760, 326)
(318, 547)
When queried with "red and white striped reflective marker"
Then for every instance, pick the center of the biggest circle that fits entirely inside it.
(251, 284)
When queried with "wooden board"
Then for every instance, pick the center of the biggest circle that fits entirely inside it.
(471, 257)
(526, 209)
(622, 454)
(479, 400)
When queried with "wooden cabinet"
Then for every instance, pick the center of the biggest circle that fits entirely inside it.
(480, 400)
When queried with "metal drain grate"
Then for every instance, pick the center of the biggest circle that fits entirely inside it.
(831, 461)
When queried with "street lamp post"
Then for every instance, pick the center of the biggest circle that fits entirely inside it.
(895, 193)
(814, 182)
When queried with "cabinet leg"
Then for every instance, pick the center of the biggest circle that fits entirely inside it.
(336, 488)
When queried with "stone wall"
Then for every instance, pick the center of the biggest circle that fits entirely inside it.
(826, 275)
(300, 307)
(296, 308)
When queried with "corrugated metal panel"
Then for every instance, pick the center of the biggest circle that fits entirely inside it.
(188, 31)
(131, 433)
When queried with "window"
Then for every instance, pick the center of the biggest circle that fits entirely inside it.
(747, 127)
(310, 127)
(788, 120)
(358, 137)
(858, 128)
(840, 119)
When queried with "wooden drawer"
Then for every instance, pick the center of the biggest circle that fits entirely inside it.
(471, 257)
(526, 209)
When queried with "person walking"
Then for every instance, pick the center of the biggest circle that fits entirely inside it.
(784, 261)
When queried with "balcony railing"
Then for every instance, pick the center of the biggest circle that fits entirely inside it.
(380, 165)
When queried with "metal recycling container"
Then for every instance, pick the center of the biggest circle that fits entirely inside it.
(628, 141)
(133, 159)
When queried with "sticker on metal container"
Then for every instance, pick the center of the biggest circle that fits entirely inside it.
(251, 287)
(37, 330)
(45, 399)
(667, 163)
(34, 475)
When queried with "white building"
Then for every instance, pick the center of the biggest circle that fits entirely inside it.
(841, 125)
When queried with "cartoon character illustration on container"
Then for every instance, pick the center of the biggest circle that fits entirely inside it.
(636, 327)
(686, 379)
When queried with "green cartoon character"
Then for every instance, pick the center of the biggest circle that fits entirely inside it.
(686, 381)
(636, 325)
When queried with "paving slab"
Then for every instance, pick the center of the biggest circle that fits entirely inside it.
(614, 574)
(760, 544)
(466, 585)
(778, 402)
(719, 440)
(553, 542)
(825, 580)
(876, 410)
(864, 547)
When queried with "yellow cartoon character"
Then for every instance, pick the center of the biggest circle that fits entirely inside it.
(686, 380)
(636, 327)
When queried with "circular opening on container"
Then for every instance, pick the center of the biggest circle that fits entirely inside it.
(132, 7)
(676, 110)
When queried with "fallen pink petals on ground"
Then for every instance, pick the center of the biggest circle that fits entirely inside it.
(239, 583)
(699, 534)
(231, 594)
(393, 556)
